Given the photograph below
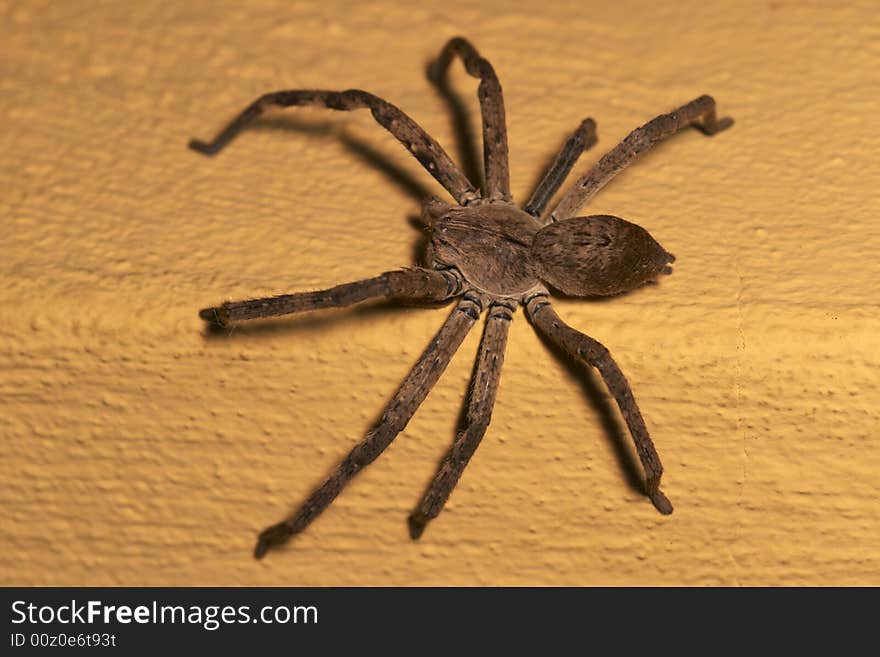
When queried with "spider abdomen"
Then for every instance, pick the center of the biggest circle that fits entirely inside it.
(597, 255)
(489, 244)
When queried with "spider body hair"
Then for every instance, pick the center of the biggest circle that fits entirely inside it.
(506, 252)
(490, 256)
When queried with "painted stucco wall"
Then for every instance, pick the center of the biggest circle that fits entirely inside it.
(138, 449)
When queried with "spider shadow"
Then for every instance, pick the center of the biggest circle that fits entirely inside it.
(397, 174)
(603, 405)
(465, 142)
(315, 322)
(462, 126)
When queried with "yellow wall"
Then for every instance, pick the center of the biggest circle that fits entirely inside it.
(138, 450)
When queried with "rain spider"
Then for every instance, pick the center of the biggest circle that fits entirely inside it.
(491, 256)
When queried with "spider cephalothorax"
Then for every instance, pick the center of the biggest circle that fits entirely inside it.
(491, 256)
(505, 252)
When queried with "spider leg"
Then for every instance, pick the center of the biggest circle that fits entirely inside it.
(415, 387)
(423, 147)
(491, 107)
(579, 141)
(484, 386)
(699, 112)
(585, 348)
(406, 284)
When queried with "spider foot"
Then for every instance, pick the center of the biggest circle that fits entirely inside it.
(715, 126)
(274, 535)
(661, 502)
(215, 316)
(417, 522)
(204, 147)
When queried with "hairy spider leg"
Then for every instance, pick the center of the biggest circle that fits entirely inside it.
(579, 141)
(418, 142)
(586, 349)
(407, 285)
(412, 392)
(495, 151)
(481, 400)
(699, 112)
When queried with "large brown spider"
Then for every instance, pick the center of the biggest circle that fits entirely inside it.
(489, 254)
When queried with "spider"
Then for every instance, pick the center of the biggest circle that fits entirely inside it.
(491, 256)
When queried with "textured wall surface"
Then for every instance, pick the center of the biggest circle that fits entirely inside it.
(138, 449)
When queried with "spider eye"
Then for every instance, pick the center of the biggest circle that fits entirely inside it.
(597, 255)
